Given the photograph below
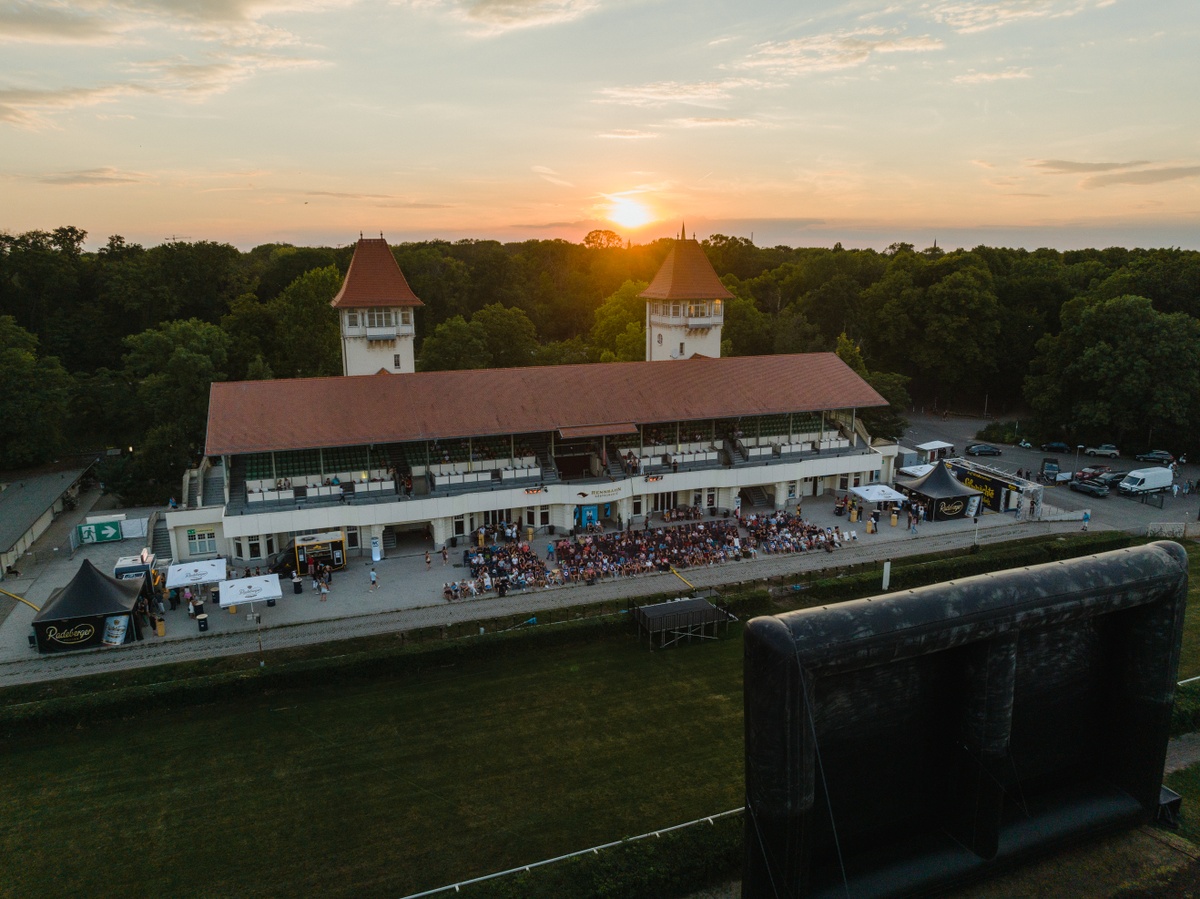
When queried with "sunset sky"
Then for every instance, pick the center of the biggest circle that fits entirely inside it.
(1031, 123)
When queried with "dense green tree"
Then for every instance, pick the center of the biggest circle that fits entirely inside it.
(748, 331)
(286, 264)
(306, 342)
(440, 281)
(508, 335)
(612, 320)
(832, 306)
(887, 421)
(1118, 370)
(34, 399)
(562, 352)
(174, 366)
(794, 333)
(454, 344)
(103, 411)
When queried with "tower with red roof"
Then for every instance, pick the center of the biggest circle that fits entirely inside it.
(375, 312)
(685, 305)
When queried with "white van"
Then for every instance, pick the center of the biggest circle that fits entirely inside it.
(1146, 480)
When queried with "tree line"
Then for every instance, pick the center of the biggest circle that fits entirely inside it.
(118, 347)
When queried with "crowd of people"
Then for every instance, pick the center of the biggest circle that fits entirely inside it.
(595, 556)
(786, 532)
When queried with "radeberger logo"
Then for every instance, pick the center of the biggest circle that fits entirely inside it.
(80, 633)
(952, 508)
(249, 592)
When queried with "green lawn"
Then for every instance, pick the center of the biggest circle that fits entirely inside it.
(389, 786)
(379, 789)
(1189, 659)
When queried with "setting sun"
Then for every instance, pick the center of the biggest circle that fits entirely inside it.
(628, 213)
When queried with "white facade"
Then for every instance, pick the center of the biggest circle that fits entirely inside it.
(460, 514)
(377, 338)
(679, 329)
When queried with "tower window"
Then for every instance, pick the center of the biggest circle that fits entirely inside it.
(396, 361)
(351, 319)
(405, 317)
(681, 348)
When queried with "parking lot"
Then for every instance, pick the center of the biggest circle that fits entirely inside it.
(1114, 511)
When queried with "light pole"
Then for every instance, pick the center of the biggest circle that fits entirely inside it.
(1075, 473)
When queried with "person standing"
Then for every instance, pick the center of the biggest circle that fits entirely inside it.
(1087, 519)
(445, 556)
(428, 560)
(374, 579)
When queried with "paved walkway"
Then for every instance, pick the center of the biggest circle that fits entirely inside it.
(409, 595)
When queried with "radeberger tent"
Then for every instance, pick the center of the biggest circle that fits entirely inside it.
(92, 610)
(944, 495)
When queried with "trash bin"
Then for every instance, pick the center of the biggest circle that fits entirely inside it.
(270, 602)
(853, 515)
(895, 517)
(160, 627)
(297, 585)
(233, 610)
(202, 620)
(453, 540)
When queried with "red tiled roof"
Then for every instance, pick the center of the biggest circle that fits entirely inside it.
(306, 413)
(374, 279)
(686, 274)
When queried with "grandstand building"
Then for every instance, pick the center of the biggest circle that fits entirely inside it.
(396, 457)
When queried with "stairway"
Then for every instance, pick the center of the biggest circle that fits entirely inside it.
(389, 539)
(160, 543)
(757, 496)
(214, 486)
(193, 497)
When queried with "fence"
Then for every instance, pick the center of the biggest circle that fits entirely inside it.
(594, 850)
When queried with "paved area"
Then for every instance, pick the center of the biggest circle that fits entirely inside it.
(410, 594)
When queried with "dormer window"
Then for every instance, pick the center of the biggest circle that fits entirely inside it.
(351, 319)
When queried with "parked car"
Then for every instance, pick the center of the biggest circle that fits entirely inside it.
(1092, 488)
(1104, 449)
(982, 449)
(1092, 472)
(1111, 479)
(1160, 456)
(1055, 446)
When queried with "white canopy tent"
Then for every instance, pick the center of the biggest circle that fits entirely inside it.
(250, 590)
(195, 574)
(878, 493)
(935, 445)
(915, 471)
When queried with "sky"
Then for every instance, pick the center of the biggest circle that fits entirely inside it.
(1061, 123)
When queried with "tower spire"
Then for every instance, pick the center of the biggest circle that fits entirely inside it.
(682, 231)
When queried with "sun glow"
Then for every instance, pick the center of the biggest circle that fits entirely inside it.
(628, 213)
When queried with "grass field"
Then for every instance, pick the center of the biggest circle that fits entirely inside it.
(379, 789)
(385, 787)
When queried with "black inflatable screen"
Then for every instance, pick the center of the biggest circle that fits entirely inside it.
(899, 744)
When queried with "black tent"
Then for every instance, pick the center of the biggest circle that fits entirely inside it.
(92, 610)
(945, 496)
